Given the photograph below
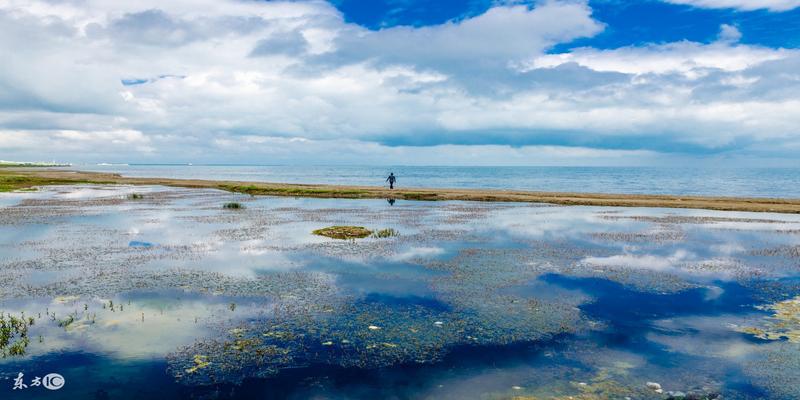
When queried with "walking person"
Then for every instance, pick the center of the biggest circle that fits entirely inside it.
(391, 179)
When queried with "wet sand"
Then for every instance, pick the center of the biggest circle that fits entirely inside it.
(18, 178)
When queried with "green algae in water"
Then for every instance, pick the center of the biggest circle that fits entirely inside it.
(362, 335)
(343, 232)
(200, 362)
(783, 324)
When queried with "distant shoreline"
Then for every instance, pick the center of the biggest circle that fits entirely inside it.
(18, 178)
(15, 164)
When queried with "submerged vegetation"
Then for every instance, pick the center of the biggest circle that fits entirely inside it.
(232, 206)
(135, 196)
(343, 232)
(455, 284)
(783, 324)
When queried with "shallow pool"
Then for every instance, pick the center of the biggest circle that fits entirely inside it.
(169, 295)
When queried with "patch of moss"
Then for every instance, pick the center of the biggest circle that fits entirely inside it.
(344, 232)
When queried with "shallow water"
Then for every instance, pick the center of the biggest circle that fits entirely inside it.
(697, 180)
(172, 296)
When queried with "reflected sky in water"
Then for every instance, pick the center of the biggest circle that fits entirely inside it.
(172, 295)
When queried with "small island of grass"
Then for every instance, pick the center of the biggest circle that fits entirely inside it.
(343, 232)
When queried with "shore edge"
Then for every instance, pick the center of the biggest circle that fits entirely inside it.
(20, 178)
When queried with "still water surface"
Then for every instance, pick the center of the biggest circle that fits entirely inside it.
(710, 181)
(172, 296)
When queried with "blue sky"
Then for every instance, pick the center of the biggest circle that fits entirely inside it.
(638, 23)
(552, 82)
(628, 22)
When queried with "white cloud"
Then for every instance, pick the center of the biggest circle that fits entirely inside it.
(223, 78)
(745, 5)
(729, 33)
(691, 59)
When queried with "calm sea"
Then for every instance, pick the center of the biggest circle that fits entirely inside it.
(753, 182)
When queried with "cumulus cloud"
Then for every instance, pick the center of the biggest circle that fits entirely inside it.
(222, 78)
(691, 59)
(745, 5)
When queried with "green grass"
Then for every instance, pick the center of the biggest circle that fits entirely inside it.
(13, 335)
(9, 183)
(418, 196)
(300, 192)
(385, 233)
(232, 206)
(343, 232)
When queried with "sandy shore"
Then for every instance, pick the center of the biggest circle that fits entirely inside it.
(18, 178)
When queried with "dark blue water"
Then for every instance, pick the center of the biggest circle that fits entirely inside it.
(629, 313)
(751, 182)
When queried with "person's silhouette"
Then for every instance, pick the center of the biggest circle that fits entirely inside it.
(391, 179)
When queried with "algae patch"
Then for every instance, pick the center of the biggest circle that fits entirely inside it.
(343, 232)
(200, 362)
(784, 323)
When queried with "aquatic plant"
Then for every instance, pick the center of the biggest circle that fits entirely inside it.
(13, 335)
(135, 196)
(385, 233)
(232, 206)
(66, 322)
(343, 232)
(200, 362)
(364, 334)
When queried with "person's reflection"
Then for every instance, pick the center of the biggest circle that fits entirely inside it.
(390, 201)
